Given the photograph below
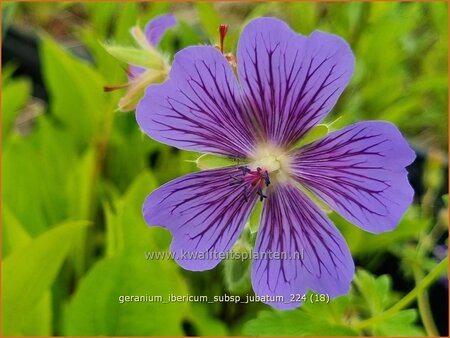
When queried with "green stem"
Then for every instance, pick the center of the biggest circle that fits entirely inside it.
(424, 306)
(408, 299)
(425, 244)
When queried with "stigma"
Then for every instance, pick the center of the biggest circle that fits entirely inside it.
(252, 182)
(223, 30)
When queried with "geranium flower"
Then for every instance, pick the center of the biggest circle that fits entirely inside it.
(287, 83)
(146, 65)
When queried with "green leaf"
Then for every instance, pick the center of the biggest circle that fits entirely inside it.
(311, 319)
(14, 97)
(237, 270)
(7, 73)
(210, 19)
(96, 309)
(302, 16)
(8, 12)
(181, 36)
(169, 163)
(39, 320)
(445, 200)
(21, 183)
(76, 92)
(260, 9)
(80, 186)
(146, 58)
(101, 15)
(401, 324)
(126, 228)
(29, 272)
(114, 238)
(129, 11)
(81, 190)
(204, 323)
(34, 170)
(365, 244)
(127, 153)
(107, 65)
(373, 295)
(14, 235)
(53, 169)
(374, 291)
(137, 235)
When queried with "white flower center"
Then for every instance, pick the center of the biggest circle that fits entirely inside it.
(272, 159)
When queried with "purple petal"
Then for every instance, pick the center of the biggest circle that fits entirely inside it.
(134, 72)
(199, 108)
(155, 28)
(292, 224)
(360, 172)
(204, 211)
(292, 81)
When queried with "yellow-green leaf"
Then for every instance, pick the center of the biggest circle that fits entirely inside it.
(27, 274)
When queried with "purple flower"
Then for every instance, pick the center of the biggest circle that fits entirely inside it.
(152, 35)
(287, 83)
(146, 65)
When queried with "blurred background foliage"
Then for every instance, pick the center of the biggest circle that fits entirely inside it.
(75, 173)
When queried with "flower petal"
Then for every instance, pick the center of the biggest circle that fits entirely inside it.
(134, 72)
(155, 28)
(360, 172)
(199, 108)
(292, 81)
(204, 212)
(315, 255)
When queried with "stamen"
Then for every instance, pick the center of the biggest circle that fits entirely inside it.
(266, 178)
(261, 195)
(256, 179)
(245, 170)
(115, 87)
(223, 29)
(122, 85)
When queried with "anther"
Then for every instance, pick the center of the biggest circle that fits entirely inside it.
(245, 170)
(261, 195)
(266, 178)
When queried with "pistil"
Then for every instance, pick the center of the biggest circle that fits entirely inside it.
(252, 181)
